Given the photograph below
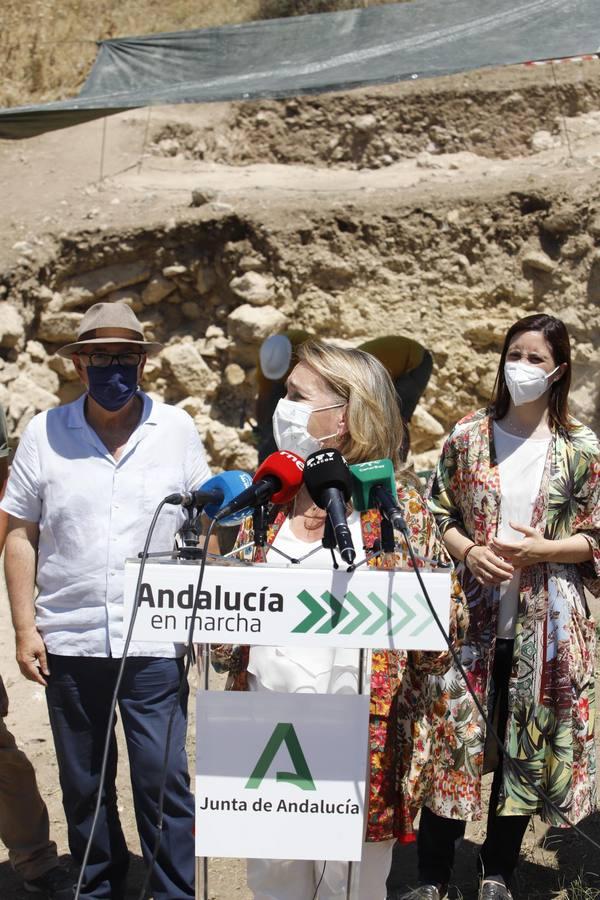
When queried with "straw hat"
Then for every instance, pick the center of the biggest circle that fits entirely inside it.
(110, 323)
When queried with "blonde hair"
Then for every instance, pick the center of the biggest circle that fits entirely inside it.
(374, 426)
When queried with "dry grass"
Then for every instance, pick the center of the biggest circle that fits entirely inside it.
(578, 890)
(48, 46)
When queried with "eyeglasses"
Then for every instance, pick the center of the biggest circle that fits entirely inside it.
(102, 360)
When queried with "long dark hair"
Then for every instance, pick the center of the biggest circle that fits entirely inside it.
(556, 335)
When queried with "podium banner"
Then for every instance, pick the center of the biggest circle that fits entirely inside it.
(291, 605)
(281, 776)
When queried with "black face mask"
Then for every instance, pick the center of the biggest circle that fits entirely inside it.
(112, 386)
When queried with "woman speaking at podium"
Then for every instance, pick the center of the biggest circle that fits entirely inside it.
(344, 399)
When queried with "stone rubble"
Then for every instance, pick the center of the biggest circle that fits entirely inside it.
(453, 278)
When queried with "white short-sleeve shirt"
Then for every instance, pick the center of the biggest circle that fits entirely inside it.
(94, 512)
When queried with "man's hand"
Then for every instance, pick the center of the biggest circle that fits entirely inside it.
(534, 548)
(31, 656)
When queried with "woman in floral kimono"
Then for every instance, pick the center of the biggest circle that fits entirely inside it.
(516, 497)
(344, 399)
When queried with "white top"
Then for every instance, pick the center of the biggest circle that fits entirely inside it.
(320, 670)
(521, 464)
(94, 512)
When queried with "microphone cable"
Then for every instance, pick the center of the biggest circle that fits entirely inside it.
(182, 684)
(314, 897)
(515, 765)
(114, 701)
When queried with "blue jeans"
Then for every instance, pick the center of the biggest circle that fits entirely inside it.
(79, 695)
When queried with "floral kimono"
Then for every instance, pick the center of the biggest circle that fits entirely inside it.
(392, 777)
(550, 727)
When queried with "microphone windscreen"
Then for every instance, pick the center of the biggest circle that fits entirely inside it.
(366, 476)
(232, 484)
(288, 469)
(326, 469)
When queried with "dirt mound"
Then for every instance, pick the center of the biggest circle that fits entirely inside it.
(213, 287)
(496, 115)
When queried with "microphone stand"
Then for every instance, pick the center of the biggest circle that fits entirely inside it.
(190, 533)
(260, 522)
(388, 541)
(329, 541)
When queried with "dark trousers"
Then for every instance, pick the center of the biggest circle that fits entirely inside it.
(411, 385)
(437, 836)
(79, 695)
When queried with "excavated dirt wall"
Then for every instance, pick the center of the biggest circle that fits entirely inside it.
(510, 112)
(453, 276)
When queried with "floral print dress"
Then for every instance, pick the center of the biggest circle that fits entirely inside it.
(393, 777)
(551, 697)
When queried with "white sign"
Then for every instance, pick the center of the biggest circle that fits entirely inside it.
(281, 776)
(293, 606)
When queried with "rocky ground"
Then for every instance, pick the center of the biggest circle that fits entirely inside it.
(444, 210)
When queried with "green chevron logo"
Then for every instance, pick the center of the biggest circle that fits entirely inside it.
(352, 615)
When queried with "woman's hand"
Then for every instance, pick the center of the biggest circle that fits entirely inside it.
(487, 566)
(531, 550)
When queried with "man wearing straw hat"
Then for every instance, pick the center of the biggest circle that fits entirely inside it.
(84, 485)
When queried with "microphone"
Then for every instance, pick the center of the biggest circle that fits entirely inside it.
(215, 494)
(374, 485)
(199, 498)
(329, 483)
(278, 479)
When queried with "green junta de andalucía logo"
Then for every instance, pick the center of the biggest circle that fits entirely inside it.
(284, 733)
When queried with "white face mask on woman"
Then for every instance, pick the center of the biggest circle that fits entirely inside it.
(290, 421)
(526, 383)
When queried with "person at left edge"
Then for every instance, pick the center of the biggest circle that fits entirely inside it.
(84, 485)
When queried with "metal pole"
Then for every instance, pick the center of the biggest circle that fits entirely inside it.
(361, 676)
(206, 661)
(102, 148)
(202, 862)
(145, 141)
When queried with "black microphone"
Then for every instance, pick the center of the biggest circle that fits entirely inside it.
(329, 483)
(388, 507)
(195, 498)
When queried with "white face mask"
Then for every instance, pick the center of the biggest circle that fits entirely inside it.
(526, 383)
(290, 421)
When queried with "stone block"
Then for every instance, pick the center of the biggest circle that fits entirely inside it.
(59, 327)
(538, 260)
(254, 288)
(190, 372)
(11, 325)
(205, 280)
(92, 286)
(157, 289)
(252, 325)
(26, 399)
(64, 368)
